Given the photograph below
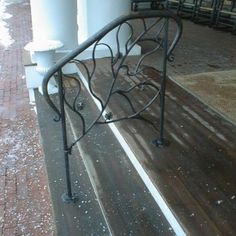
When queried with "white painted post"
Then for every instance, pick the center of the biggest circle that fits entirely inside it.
(95, 14)
(55, 20)
(44, 54)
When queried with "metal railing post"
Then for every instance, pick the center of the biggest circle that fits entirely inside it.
(161, 141)
(68, 196)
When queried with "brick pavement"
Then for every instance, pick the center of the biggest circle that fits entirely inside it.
(25, 207)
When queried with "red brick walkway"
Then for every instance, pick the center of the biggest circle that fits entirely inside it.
(25, 207)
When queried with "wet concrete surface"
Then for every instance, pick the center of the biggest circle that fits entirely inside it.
(83, 217)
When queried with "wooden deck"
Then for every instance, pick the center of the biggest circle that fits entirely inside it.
(195, 174)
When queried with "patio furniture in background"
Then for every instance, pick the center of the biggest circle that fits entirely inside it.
(174, 4)
(147, 4)
(226, 14)
(206, 9)
(187, 8)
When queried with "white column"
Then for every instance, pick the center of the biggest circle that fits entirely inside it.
(93, 15)
(55, 20)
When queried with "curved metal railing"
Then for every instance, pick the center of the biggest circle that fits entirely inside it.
(155, 30)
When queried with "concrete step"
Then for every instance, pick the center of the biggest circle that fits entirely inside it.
(85, 217)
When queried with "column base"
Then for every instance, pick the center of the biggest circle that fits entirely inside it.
(34, 80)
(52, 89)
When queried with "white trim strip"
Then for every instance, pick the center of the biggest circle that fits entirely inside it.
(148, 182)
(179, 231)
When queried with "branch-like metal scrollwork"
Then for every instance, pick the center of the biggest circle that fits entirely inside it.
(124, 79)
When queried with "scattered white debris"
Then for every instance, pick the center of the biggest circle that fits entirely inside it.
(144, 208)
(219, 202)
(233, 197)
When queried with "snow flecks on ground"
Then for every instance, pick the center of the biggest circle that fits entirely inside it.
(219, 202)
(25, 205)
(18, 151)
(23, 167)
(5, 37)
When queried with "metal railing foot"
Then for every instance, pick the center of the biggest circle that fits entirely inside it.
(69, 199)
(161, 143)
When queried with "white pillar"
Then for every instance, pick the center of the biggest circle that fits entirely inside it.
(93, 15)
(55, 20)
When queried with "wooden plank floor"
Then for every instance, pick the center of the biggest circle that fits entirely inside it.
(126, 202)
(196, 173)
(112, 198)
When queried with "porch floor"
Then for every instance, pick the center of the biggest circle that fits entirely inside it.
(195, 174)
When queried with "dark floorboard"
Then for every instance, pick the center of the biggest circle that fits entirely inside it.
(127, 203)
(196, 173)
(104, 175)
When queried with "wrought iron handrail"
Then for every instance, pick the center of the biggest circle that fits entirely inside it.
(117, 64)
